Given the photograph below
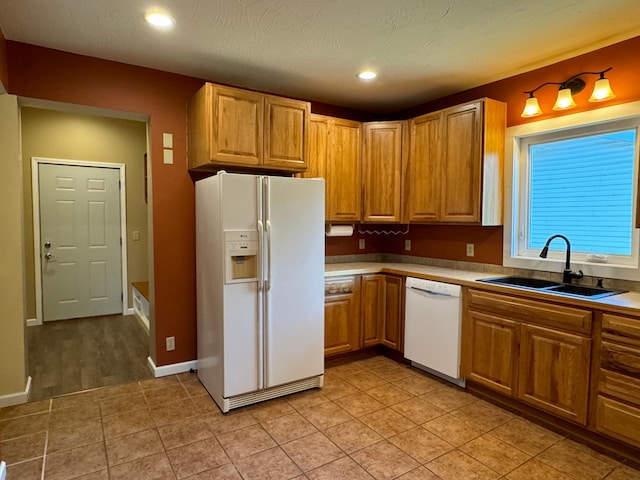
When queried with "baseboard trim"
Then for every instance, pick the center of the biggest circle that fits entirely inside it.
(171, 369)
(33, 322)
(130, 311)
(16, 398)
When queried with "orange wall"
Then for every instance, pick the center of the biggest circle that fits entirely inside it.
(53, 75)
(4, 75)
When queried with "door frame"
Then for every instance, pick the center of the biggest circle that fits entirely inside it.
(35, 193)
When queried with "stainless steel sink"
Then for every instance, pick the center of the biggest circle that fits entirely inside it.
(567, 289)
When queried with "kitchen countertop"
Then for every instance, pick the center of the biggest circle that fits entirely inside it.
(627, 303)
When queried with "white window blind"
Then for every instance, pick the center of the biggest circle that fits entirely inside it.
(583, 188)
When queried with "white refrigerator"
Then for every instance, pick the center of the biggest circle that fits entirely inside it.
(260, 286)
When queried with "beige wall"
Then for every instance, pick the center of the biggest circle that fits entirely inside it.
(13, 365)
(72, 136)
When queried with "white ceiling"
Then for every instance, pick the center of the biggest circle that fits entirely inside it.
(312, 49)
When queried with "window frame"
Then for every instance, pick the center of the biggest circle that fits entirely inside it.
(625, 116)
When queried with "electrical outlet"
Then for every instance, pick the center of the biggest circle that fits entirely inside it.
(361, 244)
(470, 250)
(171, 344)
(407, 245)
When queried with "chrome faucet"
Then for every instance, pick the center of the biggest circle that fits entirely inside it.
(567, 275)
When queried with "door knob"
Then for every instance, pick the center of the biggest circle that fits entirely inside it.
(47, 244)
(48, 256)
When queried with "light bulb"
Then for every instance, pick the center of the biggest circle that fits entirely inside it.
(564, 100)
(602, 91)
(368, 75)
(160, 20)
(531, 108)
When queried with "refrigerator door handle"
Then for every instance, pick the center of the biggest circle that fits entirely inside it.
(268, 281)
(260, 255)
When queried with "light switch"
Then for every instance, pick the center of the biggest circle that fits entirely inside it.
(136, 235)
(167, 140)
(168, 156)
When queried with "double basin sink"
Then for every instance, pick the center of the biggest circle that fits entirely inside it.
(567, 289)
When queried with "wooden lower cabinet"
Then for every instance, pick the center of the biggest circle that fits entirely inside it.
(392, 326)
(372, 305)
(490, 351)
(342, 316)
(554, 372)
(546, 367)
(363, 311)
(618, 420)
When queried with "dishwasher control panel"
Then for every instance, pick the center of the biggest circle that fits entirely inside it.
(432, 286)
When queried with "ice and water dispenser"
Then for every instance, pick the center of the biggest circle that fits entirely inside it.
(241, 251)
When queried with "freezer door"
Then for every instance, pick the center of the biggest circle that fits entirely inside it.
(294, 286)
(241, 203)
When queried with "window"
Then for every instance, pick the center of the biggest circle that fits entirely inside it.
(577, 179)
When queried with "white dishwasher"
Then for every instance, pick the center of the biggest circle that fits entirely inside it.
(432, 327)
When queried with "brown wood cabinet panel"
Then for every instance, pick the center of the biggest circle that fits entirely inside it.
(342, 317)
(237, 136)
(554, 371)
(392, 328)
(620, 358)
(318, 147)
(383, 150)
(424, 170)
(621, 329)
(231, 127)
(618, 420)
(344, 174)
(372, 308)
(621, 386)
(461, 166)
(490, 351)
(533, 311)
(285, 133)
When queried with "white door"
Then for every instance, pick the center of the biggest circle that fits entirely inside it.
(294, 320)
(80, 241)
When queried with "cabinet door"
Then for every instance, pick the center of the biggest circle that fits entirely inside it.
(382, 165)
(342, 320)
(490, 351)
(286, 131)
(392, 328)
(462, 163)
(318, 151)
(237, 126)
(423, 183)
(344, 179)
(554, 372)
(372, 308)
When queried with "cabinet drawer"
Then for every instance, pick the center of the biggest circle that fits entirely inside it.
(620, 358)
(620, 386)
(339, 286)
(532, 311)
(618, 420)
(621, 329)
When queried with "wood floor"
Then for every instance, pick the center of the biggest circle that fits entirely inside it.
(73, 355)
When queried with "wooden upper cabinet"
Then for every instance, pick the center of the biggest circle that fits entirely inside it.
(285, 133)
(456, 164)
(382, 165)
(423, 174)
(461, 164)
(234, 127)
(343, 171)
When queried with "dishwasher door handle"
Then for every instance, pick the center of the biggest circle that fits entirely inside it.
(431, 292)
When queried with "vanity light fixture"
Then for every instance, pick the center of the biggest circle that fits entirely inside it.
(367, 75)
(159, 19)
(601, 92)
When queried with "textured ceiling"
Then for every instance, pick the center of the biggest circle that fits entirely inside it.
(312, 49)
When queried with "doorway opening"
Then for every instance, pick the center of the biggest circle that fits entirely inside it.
(87, 241)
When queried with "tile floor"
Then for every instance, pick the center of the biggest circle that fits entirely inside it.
(374, 418)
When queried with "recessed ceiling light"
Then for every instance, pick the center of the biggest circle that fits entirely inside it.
(368, 75)
(159, 19)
